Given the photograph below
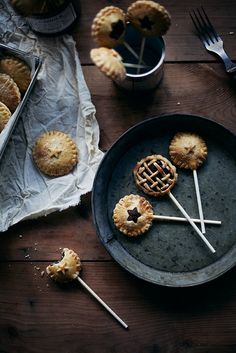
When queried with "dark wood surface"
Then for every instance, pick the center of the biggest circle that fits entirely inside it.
(38, 316)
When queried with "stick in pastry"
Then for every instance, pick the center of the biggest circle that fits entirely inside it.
(188, 150)
(133, 216)
(68, 269)
(156, 176)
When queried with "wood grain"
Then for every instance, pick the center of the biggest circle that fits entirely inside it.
(182, 44)
(38, 316)
(45, 317)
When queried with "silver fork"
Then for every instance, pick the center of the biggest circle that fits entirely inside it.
(210, 38)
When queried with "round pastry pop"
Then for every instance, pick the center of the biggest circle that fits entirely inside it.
(149, 18)
(108, 28)
(156, 176)
(68, 269)
(133, 216)
(188, 150)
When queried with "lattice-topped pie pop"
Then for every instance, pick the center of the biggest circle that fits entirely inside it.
(155, 175)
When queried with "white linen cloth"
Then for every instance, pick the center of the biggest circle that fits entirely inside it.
(60, 100)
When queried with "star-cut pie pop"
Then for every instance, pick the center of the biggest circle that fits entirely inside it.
(68, 269)
(188, 150)
(133, 215)
(149, 18)
(155, 175)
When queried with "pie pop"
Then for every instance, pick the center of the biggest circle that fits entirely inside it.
(133, 216)
(149, 18)
(188, 150)
(155, 175)
(68, 269)
(108, 28)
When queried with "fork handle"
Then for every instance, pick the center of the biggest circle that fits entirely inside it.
(229, 65)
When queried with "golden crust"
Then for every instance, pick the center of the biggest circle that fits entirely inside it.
(67, 269)
(9, 92)
(133, 215)
(55, 153)
(5, 115)
(108, 27)
(155, 175)
(149, 17)
(18, 70)
(109, 62)
(187, 150)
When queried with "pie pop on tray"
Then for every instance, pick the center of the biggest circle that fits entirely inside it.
(110, 24)
(156, 176)
(133, 216)
(68, 269)
(188, 150)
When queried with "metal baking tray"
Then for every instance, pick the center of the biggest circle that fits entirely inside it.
(171, 254)
(34, 62)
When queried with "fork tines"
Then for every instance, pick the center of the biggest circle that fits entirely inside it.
(203, 26)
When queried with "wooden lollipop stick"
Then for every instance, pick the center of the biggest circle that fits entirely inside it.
(180, 219)
(191, 222)
(131, 50)
(141, 53)
(136, 66)
(102, 302)
(199, 202)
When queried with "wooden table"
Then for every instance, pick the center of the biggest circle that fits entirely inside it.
(38, 316)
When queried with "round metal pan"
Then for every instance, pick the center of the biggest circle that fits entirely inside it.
(171, 253)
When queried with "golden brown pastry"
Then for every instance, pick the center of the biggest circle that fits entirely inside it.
(108, 27)
(5, 115)
(55, 153)
(149, 17)
(9, 92)
(67, 269)
(155, 175)
(109, 62)
(187, 150)
(133, 215)
(18, 70)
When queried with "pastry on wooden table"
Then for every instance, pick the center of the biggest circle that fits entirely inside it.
(133, 215)
(18, 70)
(109, 62)
(9, 92)
(187, 150)
(5, 115)
(55, 153)
(108, 27)
(149, 17)
(155, 175)
(67, 269)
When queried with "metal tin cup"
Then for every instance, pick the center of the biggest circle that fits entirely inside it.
(153, 58)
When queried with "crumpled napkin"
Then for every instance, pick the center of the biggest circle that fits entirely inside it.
(60, 100)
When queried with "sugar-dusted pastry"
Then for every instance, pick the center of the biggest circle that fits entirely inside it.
(55, 153)
(18, 70)
(5, 115)
(109, 62)
(155, 175)
(133, 215)
(9, 92)
(108, 27)
(187, 150)
(67, 269)
(149, 17)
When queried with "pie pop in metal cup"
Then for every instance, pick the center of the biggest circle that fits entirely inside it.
(152, 65)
